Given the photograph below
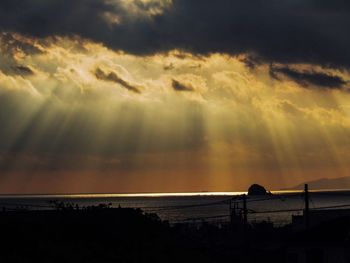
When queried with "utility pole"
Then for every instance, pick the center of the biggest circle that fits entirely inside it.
(306, 211)
(245, 212)
(231, 213)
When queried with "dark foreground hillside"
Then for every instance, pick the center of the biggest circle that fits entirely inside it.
(127, 235)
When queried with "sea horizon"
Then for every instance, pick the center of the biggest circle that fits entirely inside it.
(163, 194)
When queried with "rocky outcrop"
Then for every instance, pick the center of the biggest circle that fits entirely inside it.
(256, 189)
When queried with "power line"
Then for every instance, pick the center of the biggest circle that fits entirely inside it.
(201, 218)
(276, 211)
(330, 207)
(161, 208)
(165, 208)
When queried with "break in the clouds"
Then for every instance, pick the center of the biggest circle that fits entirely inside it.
(285, 31)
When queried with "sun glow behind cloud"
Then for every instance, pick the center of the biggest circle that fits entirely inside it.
(221, 127)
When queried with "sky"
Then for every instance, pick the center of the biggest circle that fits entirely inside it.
(133, 96)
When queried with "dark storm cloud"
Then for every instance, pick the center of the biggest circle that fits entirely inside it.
(178, 86)
(307, 78)
(285, 31)
(113, 77)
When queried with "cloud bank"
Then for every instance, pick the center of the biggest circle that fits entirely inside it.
(285, 31)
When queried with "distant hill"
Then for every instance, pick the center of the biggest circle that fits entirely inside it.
(326, 183)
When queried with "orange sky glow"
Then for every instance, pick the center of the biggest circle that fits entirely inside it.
(78, 116)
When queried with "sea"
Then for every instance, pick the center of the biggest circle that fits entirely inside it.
(192, 207)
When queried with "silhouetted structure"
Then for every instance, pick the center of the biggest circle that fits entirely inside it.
(256, 189)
